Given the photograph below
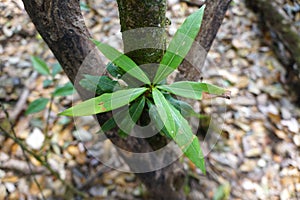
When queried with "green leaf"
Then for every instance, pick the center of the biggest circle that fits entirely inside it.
(164, 111)
(63, 120)
(84, 6)
(122, 61)
(108, 125)
(184, 108)
(115, 71)
(64, 90)
(37, 105)
(192, 90)
(179, 129)
(56, 69)
(98, 84)
(90, 83)
(154, 116)
(47, 83)
(222, 192)
(180, 45)
(135, 111)
(39, 65)
(188, 89)
(118, 73)
(212, 89)
(104, 103)
(128, 121)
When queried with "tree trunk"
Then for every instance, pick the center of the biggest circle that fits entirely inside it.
(143, 33)
(61, 25)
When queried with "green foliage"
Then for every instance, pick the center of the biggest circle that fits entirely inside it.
(135, 111)
(37, 106)
(40, 65)
(167, 113)
(154, 115)
(180, 45)
(127, 122)
(179, 129)
(222, 192)
(104, 103)
(186, 89)
(115, 71)
(84, 6)
(50, 72)
(122, 61)
(47, 83)
(185, 109)
(98, 84)
(56, 69)
(64, 90)
(192, 90)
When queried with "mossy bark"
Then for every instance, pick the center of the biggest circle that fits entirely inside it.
(143, 29)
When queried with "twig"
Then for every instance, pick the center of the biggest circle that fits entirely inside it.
(38, 158)
(48, 116)
(46, 130)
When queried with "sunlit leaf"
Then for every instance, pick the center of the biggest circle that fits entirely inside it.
(122, 61)
(39, 65)
(192, 90)
(164, 111)
(104, 103)
(37, 105)
(188, 89)
(213, 89)
(180, 45)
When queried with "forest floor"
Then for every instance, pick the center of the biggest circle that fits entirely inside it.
(251, 147)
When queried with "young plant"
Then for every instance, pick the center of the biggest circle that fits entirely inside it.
(153, 96)
(50, 72)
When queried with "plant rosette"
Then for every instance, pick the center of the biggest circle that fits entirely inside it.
(153, 96)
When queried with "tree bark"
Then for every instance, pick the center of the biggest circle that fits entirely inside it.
(143, 29)
(61, 25)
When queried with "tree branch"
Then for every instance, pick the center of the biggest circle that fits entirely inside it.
(213, 16)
